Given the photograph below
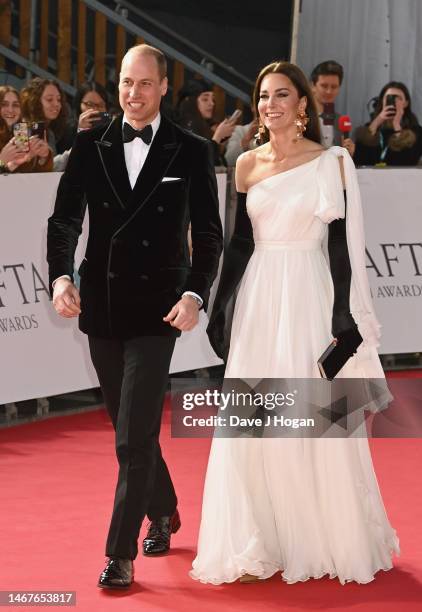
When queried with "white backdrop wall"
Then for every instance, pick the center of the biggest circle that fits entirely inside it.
(376, 41)
(42, 354)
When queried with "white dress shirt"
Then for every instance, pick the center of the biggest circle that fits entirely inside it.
(327, 133)
(137, 151)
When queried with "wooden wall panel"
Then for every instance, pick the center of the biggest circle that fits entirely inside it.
(178, 79)
(81, 42)
(120, 48)
(43, 57)
(100, 47)
(5, 25)
(64, 40)
(24, 27)
(220, 102)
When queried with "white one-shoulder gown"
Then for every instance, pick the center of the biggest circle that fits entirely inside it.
(303, 507)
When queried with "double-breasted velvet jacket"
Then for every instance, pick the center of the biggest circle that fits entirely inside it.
(137, 261)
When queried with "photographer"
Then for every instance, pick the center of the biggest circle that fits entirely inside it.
(394, 136)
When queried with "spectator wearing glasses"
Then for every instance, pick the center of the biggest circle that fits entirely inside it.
(90, 100)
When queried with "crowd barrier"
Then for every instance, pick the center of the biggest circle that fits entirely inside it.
(42, 354)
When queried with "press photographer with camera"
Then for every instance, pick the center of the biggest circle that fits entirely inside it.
(393, 137)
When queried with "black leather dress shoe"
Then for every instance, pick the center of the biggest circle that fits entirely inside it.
(157, 541)
(118, 574)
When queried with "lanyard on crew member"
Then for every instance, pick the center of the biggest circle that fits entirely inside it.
(384, 147)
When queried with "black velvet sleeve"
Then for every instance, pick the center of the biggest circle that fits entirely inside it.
(207, 232)
(341, 272)
(65, 224)
(236, 258)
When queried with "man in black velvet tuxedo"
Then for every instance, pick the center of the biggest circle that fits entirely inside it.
(144, 180)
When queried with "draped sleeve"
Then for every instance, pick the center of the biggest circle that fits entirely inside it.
(331, 199)
(332, 207)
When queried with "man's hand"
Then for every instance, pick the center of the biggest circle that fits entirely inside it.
(184, 315)
(66, 300)
(349, 145)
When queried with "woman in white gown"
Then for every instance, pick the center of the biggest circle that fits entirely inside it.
(304, 507)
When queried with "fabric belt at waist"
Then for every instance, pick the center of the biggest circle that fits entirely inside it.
(287, 245)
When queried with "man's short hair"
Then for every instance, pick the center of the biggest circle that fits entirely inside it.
(149, 50)
(328, 67)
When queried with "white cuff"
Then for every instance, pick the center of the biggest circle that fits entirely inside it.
(56, 279)
(194, 295)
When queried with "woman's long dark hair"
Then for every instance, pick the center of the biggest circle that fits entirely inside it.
(191, 119)
(409, 120)
(5, 130)
(301, 84)
(86, 88)
(32, 109)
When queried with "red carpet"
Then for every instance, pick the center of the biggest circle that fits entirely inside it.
(57, 482)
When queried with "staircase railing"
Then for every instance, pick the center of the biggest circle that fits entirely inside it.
(76, 40)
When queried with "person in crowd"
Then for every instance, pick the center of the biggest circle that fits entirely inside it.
(243, 139)
(394, 135)
(90, 100)
(304, 506)
(12, 159)
(326, 80)
(195, 112)
(43, 100)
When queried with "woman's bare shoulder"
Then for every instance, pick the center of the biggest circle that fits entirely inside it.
(245, 164)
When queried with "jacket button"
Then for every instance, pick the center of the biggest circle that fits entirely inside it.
(106, 204)
(112, 275)
(145, 243)
(160, 209)
(144, 277)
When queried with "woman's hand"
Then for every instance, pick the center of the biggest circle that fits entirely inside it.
(12, 156)
(398, 117)
(224, 130)
(87, 119)
(38, 148)
(253, 128)
(387, 113)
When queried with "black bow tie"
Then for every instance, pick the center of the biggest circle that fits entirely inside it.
(130, 134)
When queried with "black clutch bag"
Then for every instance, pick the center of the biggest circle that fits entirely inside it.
(338, 353)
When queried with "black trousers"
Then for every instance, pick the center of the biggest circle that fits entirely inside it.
(133, 375)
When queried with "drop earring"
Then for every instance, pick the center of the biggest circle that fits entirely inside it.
(301, 122)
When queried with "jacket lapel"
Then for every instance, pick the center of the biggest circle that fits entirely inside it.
(164, 149)
(112, 155)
